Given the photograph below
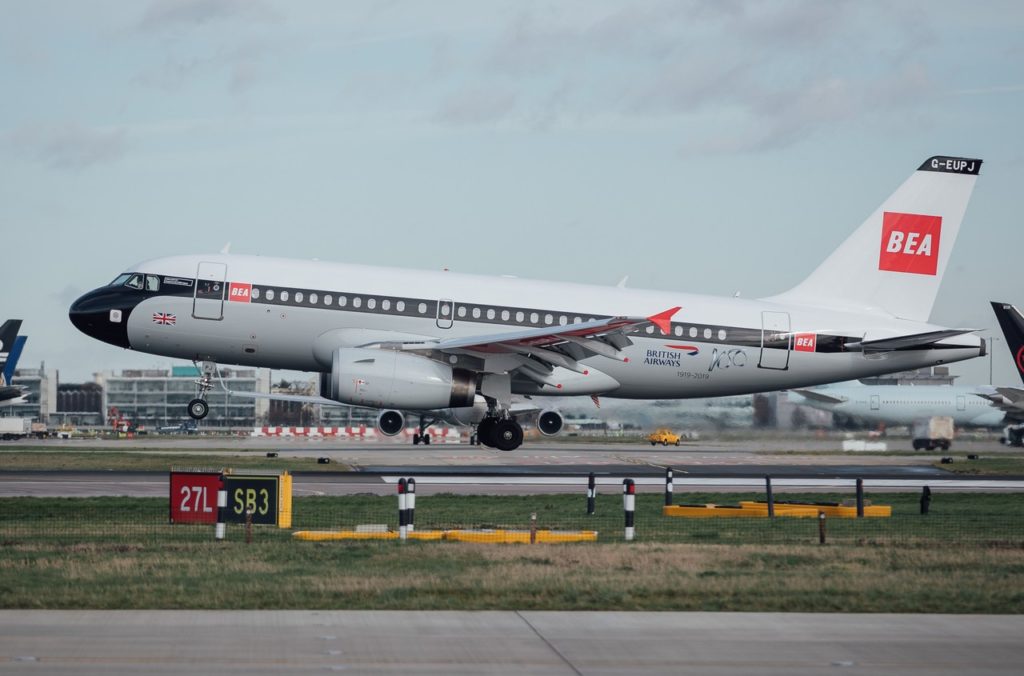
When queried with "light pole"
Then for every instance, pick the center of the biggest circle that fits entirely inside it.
(991, 356)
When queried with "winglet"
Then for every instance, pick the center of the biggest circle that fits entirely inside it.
(663, 320)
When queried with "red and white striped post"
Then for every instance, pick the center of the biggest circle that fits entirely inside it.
(629, 505)
(222, 511)
(410, 505)
(402, 513)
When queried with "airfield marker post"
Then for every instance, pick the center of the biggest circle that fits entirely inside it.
(533, 528)
(402, 514)
(629, 505)
(860, 498)
(222, 511)
(668, 486)
(926, 499)
(410, 505)
(769, 496)
(591, 493)
(821, 528)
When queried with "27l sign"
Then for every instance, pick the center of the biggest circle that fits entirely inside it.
(194, 497)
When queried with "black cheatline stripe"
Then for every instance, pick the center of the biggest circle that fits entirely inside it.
(464, 312)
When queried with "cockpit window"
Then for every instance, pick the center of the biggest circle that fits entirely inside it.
(120, 279)
(134, 282)
(152, 283)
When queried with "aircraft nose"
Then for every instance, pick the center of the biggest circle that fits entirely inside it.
(103, 314)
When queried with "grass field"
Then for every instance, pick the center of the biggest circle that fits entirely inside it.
(966, 556)
(997, 466)
(157, 460)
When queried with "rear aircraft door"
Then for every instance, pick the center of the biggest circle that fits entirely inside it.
(445, 313)
(961, 402)
(776, 341)
(209, 294)
(876, 402)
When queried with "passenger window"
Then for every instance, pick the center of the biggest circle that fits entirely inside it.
(134, 282)
(152, 283)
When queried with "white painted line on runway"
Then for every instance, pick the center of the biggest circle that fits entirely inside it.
(732, 482)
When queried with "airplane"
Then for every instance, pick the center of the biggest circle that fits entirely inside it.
(904, 404)
(11, 345)
(427, 341)
(1011, 399)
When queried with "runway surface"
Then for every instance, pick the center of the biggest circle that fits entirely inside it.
(87, 643)
(538, 467)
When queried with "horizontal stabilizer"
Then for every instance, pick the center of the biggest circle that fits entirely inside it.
(917, 341)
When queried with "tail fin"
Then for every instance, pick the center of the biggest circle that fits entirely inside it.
(9, 349)
(1012, 323)
(893, 263)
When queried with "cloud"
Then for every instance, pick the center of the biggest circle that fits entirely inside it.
(476, 106)
(164, 15)
(69, 146)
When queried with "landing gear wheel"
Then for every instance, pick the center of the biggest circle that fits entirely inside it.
(198, 409)
(472, 440)
(507, 435)
(425, 439)
(484, 432)
(415, 440)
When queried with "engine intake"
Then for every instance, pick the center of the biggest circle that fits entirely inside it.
(550, 422)
(390, 422)
(381, 378)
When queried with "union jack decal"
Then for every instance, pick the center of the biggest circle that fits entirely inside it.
(164, 318)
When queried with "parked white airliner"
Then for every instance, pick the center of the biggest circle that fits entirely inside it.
(402, 340)
(905, 404)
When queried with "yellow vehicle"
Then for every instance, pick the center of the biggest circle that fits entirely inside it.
(663, 436)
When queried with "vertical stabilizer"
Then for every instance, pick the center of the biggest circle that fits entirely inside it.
(10, 349)
(894, 262)
(1012, 323)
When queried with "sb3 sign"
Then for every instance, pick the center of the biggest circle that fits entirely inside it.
(256, 494)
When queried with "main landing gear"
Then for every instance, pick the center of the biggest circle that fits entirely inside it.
(423, 437)
(198, 408)
(500, 431)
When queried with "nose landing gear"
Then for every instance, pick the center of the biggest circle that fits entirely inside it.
(198, 408)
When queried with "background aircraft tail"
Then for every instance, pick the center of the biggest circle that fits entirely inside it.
(1012, 323)
(10, 349)
(894, 262)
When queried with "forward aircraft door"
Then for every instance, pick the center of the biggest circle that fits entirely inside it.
(445, 313)
(776, 341)
(961, 402)
(876, 402)
(209, 295)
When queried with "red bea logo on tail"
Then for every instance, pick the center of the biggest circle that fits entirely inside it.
(910, 243)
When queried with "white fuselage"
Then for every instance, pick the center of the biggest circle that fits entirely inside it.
(276, 314)
(908, 404)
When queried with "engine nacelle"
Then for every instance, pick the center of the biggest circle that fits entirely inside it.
(390, 422)
(550, 422)
(381, 378)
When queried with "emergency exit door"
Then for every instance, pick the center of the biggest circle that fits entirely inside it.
(776, 341)
(208, 302)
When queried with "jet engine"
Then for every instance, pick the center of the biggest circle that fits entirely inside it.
(381, 378)
(550, 422)
(390, 422)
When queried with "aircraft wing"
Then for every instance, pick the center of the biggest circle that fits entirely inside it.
(819, 396)
(554, 346)
(915, 341)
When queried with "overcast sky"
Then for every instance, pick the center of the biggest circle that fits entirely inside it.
(707, 146)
